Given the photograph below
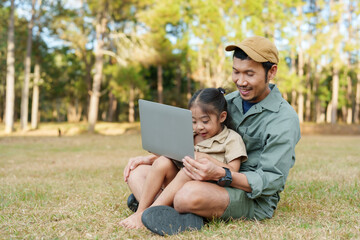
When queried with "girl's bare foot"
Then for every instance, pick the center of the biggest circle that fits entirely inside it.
(133, 221)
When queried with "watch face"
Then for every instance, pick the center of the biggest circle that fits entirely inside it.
(225, 181)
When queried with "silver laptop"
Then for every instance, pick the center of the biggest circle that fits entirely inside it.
(166, 130)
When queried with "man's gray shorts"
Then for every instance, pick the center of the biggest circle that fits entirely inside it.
(240, 205)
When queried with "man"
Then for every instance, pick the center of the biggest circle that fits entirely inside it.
(270, 129)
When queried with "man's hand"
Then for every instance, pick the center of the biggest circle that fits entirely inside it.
(202, 169)
(136, 161)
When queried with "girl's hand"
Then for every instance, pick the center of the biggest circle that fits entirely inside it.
(136, 161)
(202, 169)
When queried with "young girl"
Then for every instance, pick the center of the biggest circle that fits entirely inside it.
(224, 146)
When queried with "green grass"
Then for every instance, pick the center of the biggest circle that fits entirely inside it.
(72, 188)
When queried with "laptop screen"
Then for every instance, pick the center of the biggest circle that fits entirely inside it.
(166, 130)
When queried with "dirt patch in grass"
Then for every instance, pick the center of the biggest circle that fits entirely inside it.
(72, 129)
(330, 129)
(106, 128)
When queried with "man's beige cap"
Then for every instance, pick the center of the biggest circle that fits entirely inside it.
(258, 48)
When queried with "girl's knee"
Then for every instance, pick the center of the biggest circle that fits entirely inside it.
(138, 174)
(163, 163)
(181, 174)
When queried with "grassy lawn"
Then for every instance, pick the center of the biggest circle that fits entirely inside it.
(71, 187)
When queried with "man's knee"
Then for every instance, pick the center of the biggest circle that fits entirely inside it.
(202, 198)
(189, 197)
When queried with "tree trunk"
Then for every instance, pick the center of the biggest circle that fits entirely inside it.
(3, 102)
(188, 86)
(58, 110)
(301, 107)
(293, 99)
(10, 75)
(308, 106)
(112, 107)
(160, 83)
(300, 71)
(343, 114)
(357, 98)
(292, 71)
(349, 90)
(336, 64)
(219, 77)
(178, 85)
(132, 104)
(35, 116)
(208, 81)
(88, 63)
(35, 97)
(88, 67)
(95, 95)
(74, 111)
(201, 70)
(308, 94)
(25, 90)
(357, 94)
(349, 113)
(318, 112)
(328, 112)
(335, 93)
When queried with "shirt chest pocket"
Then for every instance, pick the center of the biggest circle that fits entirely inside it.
(253, 149)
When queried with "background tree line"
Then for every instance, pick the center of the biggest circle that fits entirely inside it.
(91, 60)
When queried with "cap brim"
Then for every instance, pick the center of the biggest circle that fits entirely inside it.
(251, 53)
(231, 48)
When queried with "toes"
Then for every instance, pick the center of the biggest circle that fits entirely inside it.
(132, 222)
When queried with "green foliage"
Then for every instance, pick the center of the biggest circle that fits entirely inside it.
(123, 78)
(63, 80)
(187, 38)
(324, 91)
(285, 80)
(4, 15)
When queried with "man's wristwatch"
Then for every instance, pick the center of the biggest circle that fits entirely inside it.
(225, 181)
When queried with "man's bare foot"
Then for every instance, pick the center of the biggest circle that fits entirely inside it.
(133, 221)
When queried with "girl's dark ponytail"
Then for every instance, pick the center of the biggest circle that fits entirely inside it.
(221, 90)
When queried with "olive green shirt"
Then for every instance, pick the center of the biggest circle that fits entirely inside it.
(270, 130)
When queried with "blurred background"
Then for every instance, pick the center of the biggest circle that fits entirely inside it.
(89, 61)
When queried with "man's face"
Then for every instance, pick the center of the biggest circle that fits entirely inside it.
(249, 77)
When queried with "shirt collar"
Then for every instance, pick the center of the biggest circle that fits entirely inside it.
(221, 137)
(271, 102)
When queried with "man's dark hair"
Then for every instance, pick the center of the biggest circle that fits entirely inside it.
(239, 53)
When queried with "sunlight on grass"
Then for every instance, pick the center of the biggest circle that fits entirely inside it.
(72, 187)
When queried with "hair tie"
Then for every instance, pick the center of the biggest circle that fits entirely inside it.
(221, 90)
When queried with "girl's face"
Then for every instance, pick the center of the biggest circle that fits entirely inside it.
(206, 125)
